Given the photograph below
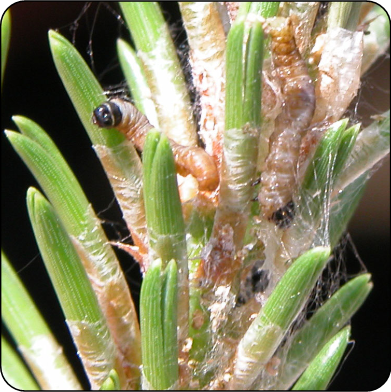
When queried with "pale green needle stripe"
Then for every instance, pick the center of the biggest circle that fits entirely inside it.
(170, 317)
(13, 369)
(326, 322)
(266, 9)
(5, 40)
(344, 14)
(162, 204)
(111, 383)
(235, 77)
(135, 77)
(73, 288)
(372, 145)
(152, 342)
(31, 333)
(162, 70)
(322, 368)
(280, 310)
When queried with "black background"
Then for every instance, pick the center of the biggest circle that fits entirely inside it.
(33, 89)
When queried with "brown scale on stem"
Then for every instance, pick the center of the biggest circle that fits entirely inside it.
(123, 116)
(298, 104)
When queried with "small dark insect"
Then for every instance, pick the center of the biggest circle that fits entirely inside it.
(279, 177)
(255, 282)
(123, 116)
(284, 216)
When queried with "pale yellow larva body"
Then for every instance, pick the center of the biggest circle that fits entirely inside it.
(278, 179)
(134, 125)
(123, 116)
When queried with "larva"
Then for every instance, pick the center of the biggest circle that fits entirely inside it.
(279, 177)
(123, 116)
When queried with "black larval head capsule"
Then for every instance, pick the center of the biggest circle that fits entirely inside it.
(107, 115)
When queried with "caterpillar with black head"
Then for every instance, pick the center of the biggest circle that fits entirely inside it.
(278, 180)
(122, 115)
